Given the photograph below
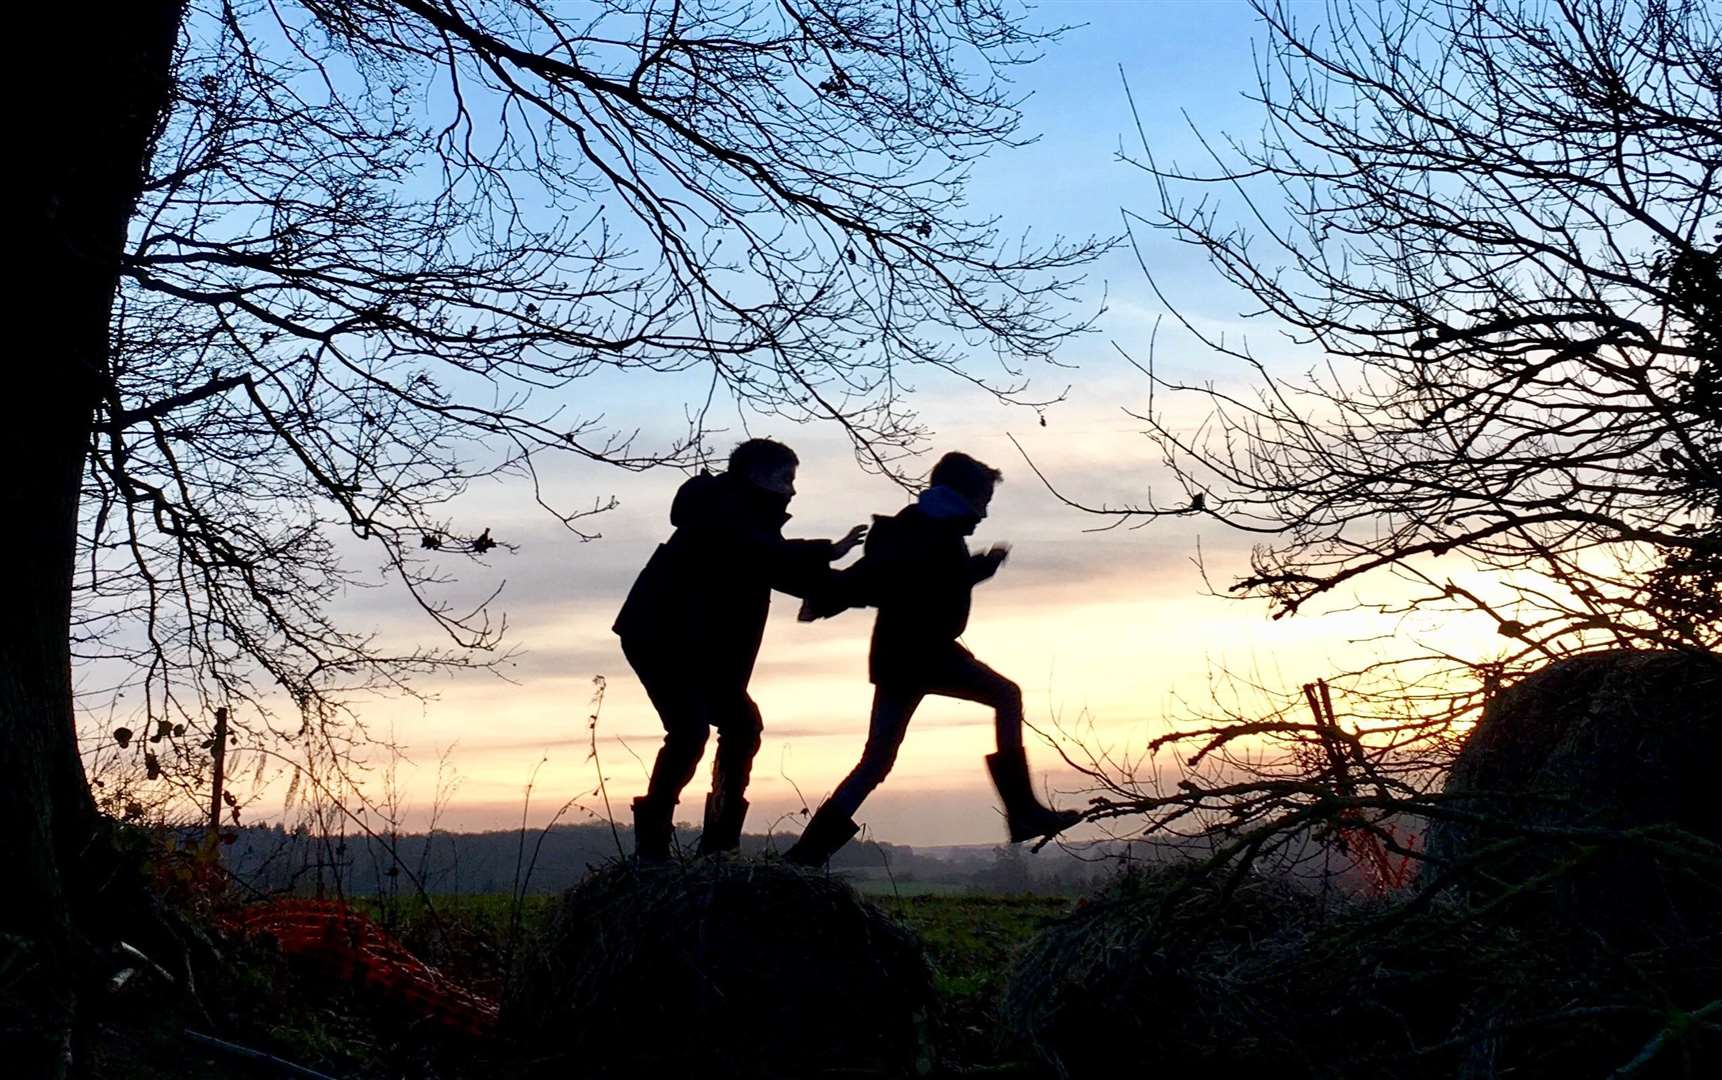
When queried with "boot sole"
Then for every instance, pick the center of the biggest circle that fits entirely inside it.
(1018, 836)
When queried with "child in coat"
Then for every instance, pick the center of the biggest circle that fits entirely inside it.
(918, 572)
(691, 630)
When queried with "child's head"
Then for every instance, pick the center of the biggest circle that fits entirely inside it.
(767, 464)
(971, 479)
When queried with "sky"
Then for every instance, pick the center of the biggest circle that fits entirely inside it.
(1110, 634)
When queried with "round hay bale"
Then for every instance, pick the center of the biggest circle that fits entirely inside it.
(1167, 975)
(1623, 741)
(1159, 974)
(722, 967)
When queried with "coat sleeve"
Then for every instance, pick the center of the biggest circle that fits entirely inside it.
(839, 590)
(791, 566)
(981, 567)
(798, 567)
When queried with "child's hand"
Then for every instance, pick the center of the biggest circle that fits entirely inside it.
(806, 614)
(998, 553)
(840, 548)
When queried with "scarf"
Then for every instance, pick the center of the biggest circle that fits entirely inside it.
(943, 503)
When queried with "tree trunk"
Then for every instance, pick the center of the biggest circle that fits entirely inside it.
(95, 125)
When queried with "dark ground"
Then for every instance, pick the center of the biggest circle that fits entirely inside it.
(259, 1001)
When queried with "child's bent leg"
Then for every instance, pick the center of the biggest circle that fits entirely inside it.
(971, 680)
(1007, 715)
(678, 758)
(738, 736)
(686, 725)
(1025, 815)
(892, 709)
(685, 730)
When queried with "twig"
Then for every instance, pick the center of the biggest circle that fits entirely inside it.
(245, 1053)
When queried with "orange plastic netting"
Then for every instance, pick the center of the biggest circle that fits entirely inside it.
(344, 944)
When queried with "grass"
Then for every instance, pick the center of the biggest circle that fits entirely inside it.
(875, 888)
(973, 941)
(468, 937)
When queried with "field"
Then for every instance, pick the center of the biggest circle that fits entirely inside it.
(972, 941)
(314, 1022)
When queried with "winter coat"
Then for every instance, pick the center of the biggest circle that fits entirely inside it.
(917, 570)
(702, 599)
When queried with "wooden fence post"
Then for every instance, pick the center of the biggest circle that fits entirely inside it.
(220, 746)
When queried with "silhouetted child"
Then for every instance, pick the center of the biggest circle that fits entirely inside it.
(692, 625)
(918, 572)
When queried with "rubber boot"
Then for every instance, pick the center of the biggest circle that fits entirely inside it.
(725, 812)
(652, 830)
(1024, 815)
(825, 834)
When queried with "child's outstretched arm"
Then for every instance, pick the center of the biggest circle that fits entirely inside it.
(798, 567)
(856, 585)
(837, 592)
(853, 537)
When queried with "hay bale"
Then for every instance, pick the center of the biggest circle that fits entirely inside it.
(1596, 781)
(1160, 972)
(723, 968)
(1167, 975)
(1618, 739)
(1628, 741)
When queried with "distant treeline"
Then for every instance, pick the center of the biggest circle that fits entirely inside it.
(274, 860)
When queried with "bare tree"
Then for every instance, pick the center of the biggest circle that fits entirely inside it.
(1484, 239)
(311, 268)
(1487, 235)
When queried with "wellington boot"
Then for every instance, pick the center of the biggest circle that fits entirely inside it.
(1024, 815)
(825, 834)
(652, 830)
(725, 813)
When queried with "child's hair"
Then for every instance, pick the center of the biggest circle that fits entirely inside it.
(755, 457)
(965, 474)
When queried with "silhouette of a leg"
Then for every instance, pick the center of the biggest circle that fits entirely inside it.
(833, 825)
(739, 727)
(1025, 816)
(677, 761)
(686, 726)
(738, 738)
(892, 710)
(970, 680)
(654, 812)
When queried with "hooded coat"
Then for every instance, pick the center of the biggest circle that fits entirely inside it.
(917, 570)
(702, 599)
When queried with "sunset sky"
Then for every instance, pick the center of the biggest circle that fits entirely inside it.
(1105, 629)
